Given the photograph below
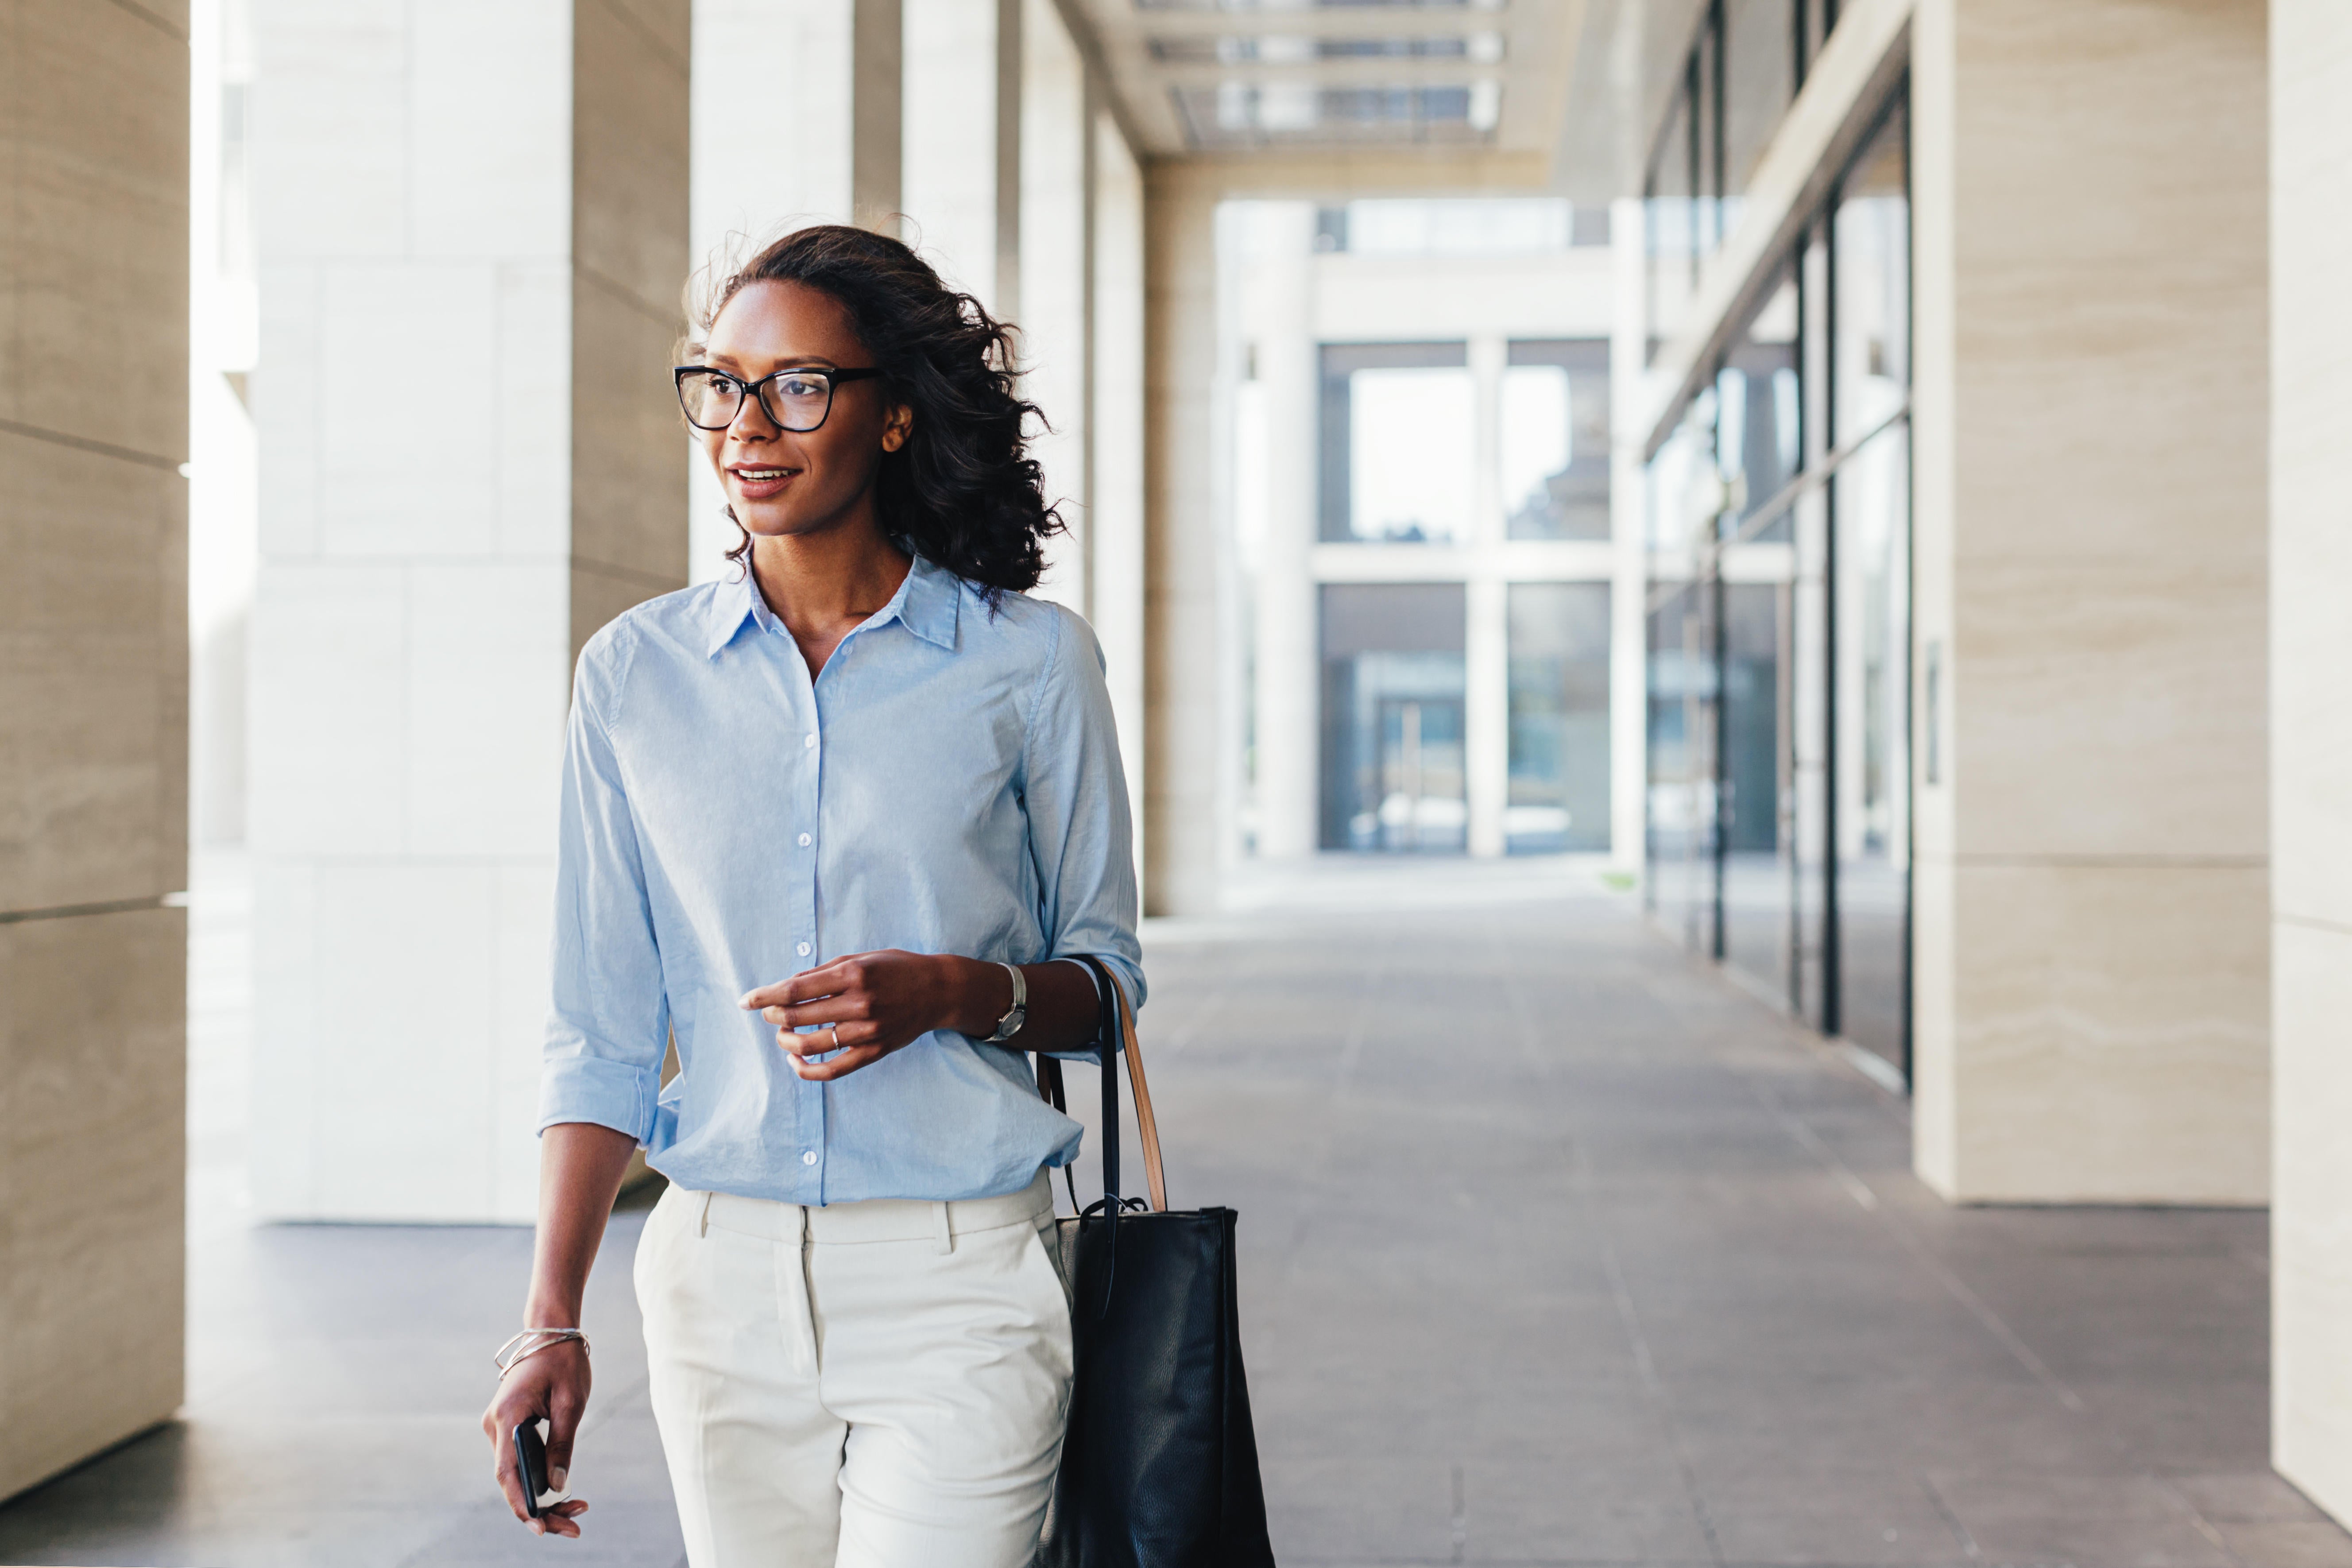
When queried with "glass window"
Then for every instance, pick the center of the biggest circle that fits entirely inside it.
(1779, 633)
(1760, 416)
(1760, 69)
(1673, 238)
(1870, 512)
(1554, 440)
(1398, 443)
(1393, 716)
(1559, 718)
(1752, 817)
(1680, 811)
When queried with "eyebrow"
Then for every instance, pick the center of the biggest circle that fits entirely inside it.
(806, 362)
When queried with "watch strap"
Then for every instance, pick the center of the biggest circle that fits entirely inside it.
(1016, 1014)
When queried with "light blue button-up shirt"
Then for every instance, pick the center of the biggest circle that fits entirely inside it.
(949, 782)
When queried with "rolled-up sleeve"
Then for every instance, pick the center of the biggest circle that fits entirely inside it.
(1080, 830)
(609, 1026)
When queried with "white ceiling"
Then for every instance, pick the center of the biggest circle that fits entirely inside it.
(1240, 76)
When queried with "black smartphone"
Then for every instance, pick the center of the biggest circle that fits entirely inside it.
(531, 1464)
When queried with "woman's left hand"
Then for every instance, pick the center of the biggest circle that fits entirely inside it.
(866, 1005)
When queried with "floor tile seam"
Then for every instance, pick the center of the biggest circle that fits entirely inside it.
(1910, 1241)
(1801, 1043)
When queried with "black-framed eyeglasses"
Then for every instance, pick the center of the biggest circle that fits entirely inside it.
(797, 400)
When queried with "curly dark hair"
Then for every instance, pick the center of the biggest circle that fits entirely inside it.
(962, 492)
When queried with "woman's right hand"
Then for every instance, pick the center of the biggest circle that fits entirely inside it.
(550, 1386)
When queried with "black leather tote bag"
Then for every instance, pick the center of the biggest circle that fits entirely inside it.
(1159, 1463)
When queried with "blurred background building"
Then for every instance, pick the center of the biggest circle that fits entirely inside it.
(1865, 471)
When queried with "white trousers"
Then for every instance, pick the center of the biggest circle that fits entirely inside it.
(880, 1384)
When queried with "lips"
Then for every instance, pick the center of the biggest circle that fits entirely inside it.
(757, 481)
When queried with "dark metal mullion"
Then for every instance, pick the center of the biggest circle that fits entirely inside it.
(1723, 783)
(1796, 761)
(1722, 142)
(1833, 932)
(1910, 589)
(1691, 135)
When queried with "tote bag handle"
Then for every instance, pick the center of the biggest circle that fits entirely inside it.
(1115, 1022)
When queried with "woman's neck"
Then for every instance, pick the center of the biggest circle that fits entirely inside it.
(823, 584)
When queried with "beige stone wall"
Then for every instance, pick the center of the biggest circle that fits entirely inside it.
(2311, 748)
(630, 183)
(2092, 405)
(471, 233)
(1187, 647)
(93, 725)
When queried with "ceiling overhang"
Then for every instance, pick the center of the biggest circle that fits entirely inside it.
(1336, 85)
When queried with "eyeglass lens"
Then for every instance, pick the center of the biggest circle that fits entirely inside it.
(795, 400)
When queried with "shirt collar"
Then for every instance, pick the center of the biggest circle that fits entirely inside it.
(926, 605)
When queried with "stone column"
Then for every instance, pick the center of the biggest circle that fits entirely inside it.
(1185, 832)
(961, 188)
(1629, 578)
(2092, 881)
(93, 727)
(797, 120)
(1487, 646)
(2311, 751)
(1287, 674)
(1116, 418)
(472, 228)
(1054, 307)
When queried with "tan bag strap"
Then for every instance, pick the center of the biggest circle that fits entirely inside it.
(1154, 1176)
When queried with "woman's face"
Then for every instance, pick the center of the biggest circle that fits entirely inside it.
(785, 483)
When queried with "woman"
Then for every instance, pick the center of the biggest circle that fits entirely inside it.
(836, 825)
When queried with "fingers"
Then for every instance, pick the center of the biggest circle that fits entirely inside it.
(558, 1519)
(831, 1037)
(805, 986)
(842, 1066)
(846, 1007)
(510, 1481)
(562, 1421)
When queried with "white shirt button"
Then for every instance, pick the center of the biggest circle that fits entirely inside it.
(808, 1156)
(803, 950)
(809, 743)
(806, 841)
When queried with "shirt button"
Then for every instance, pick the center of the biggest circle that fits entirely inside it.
(803, 950)
(808, 1156)
(805, 841)
(808, 743)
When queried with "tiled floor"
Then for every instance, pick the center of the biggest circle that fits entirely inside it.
(1556, 1249)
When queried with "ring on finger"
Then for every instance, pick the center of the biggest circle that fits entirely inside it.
(836, 1036)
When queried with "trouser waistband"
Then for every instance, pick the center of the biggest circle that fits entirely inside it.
(875, 1219)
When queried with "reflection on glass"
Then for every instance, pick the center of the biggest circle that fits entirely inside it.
(1779, 632)
(1760, 422)
(1398, 442)
(1680, 833)
(1554, 444)
(1754, 779)
(1559, 718)
(1393, 718)
(1871, 505)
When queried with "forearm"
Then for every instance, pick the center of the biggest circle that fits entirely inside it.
(1062, 1003)
(580, 1169)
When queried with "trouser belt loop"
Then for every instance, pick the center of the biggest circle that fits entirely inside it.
(944, 1236)
(703, 1225)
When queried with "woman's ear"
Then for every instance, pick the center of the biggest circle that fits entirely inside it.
(896, 425)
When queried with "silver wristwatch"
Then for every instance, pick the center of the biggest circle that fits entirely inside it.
(1018, 1014)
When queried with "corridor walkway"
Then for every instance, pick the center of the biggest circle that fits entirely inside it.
(1557, 1250)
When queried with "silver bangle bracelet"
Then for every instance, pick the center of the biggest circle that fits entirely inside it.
(507, 1358)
